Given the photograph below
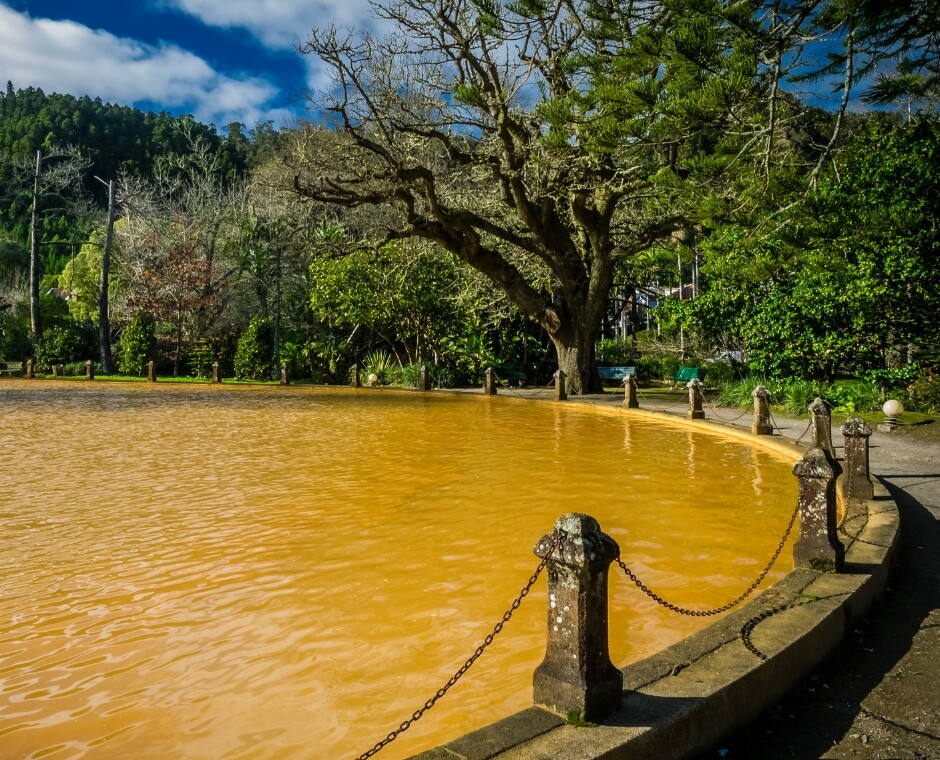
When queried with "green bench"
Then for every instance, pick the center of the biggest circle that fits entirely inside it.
(14, 369)
(688, 374)
(507, 375)
(616, 373)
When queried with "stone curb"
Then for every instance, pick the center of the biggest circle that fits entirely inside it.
(686, 698)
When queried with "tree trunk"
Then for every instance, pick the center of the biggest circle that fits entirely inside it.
(104, 322)
(574, 347)
(34, 318)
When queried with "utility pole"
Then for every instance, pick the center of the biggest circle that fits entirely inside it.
(34, 320)
(104, 321)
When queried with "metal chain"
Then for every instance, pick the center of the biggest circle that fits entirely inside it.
(723, 419)
(773, 422)
(725, 607)
(416, 716)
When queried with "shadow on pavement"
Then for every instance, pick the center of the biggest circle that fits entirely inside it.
(881, 680)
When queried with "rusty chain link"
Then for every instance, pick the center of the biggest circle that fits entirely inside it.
(723, 419)
(724, 608)
(417, 715)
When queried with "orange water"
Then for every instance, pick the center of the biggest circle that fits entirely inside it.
(204, 572)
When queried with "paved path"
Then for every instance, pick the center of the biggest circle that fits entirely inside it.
(878, 696)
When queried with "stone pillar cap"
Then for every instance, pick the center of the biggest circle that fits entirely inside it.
(693, 382)
(818, 405)
(580, 542)
(814, 464)
(856, 427)
(760, 390)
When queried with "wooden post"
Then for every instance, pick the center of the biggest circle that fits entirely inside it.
(151, 372)
(818, 546)
(577, 674)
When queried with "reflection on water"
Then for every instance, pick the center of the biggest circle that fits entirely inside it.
(205, 572)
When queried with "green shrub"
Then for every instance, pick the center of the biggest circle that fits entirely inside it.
(923, 395)
(70, 342)
(441, 376)
(797, 396)
(668, 367)
(648, 369)
(718, 374)
(201, 356)
(15, 343)
(849, 396)
(380, 364)
(137, 345)
(254, 357)
(615, 351)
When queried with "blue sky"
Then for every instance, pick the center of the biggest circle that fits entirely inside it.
(220, 60)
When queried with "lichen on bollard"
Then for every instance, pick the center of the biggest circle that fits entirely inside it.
(89, 370)
(696, 412)
(354, 380)
(577, 675)
(489, 382)
(30, 372)
(629, 392)
(216, 373)
(561, 392)
(822, 426)
(857, 479)
(285, 379)
(818, 546)
(761, 424)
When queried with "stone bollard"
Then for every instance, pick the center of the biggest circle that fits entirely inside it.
(695, 400)
(822, 426)
(577, 674)
(57, 370)
(216, 373)
(30, 372)
(285, 380)
(818, 546)
(489, 382)
(761, 424)
(89, 370)
(561, 394)
(856, 480)
(424, 379)
(629, 392)
(151, 372)
(354, 380)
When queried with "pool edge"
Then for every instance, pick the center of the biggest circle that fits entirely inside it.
(687, 697)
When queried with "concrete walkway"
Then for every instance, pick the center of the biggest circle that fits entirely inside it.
(879, 695)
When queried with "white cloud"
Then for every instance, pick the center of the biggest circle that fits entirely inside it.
(67, 57)
(279, 23)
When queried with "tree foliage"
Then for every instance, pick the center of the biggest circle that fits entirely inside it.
(568, 134)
